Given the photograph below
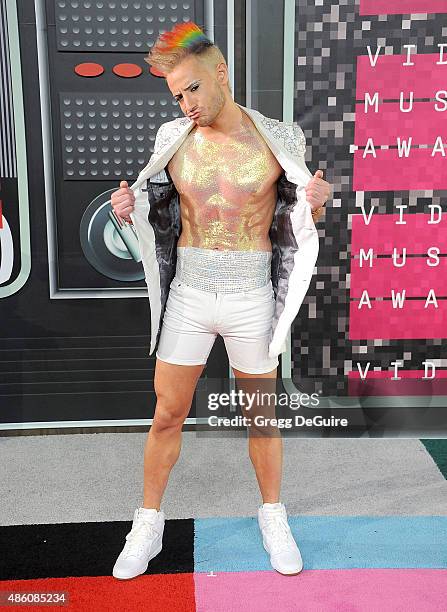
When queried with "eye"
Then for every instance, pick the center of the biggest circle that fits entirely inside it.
(193, 88)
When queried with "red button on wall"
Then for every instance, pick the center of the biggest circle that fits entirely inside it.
(89, 69)
(156, 72)
(127, 70)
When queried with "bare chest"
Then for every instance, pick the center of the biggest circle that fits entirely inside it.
(238, 170)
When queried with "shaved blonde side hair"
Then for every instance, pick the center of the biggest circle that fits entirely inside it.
(165, 61)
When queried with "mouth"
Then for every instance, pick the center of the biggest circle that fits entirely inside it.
(195, 116)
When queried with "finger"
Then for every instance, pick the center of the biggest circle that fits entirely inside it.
(316, 183)
(318, 174)
(313, 181)
(124, 184)
(124, 190)
(122, 200)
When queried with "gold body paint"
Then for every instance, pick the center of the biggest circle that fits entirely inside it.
(227, 190)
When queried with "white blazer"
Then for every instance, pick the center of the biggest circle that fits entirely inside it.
(294, 237)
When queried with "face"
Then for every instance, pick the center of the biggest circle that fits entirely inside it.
(197, 88)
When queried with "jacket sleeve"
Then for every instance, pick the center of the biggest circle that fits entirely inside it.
(300, 140)
(160, 138)
(160, 141)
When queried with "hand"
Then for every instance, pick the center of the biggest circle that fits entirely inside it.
(123, 202)
(317, 190)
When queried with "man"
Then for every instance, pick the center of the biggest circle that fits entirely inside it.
(228, 246)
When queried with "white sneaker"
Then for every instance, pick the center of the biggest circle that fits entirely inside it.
(278, 540)
(143, 543)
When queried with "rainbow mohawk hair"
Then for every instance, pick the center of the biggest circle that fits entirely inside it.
(184, 39)
(182, 35)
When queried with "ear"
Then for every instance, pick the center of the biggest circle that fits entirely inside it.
(222, 72)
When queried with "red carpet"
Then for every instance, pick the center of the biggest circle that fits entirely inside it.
(148, 593)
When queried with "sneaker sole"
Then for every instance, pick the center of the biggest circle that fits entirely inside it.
(142, 571)
(277, 570)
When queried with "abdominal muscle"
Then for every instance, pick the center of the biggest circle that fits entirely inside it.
(241, 233)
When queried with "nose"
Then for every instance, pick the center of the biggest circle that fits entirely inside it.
(190, 106)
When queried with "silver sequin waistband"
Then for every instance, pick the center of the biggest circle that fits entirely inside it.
(223, 271)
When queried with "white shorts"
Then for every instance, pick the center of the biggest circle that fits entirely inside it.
(194, 317)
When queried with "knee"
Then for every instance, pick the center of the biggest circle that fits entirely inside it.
(169, 415)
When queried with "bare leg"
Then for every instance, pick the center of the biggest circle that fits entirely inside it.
(174, 387)
(266, 452)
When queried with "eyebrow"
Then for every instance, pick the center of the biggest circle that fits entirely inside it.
(186, 88)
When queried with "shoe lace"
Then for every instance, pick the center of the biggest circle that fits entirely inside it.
(138, 536)
(278, 531)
